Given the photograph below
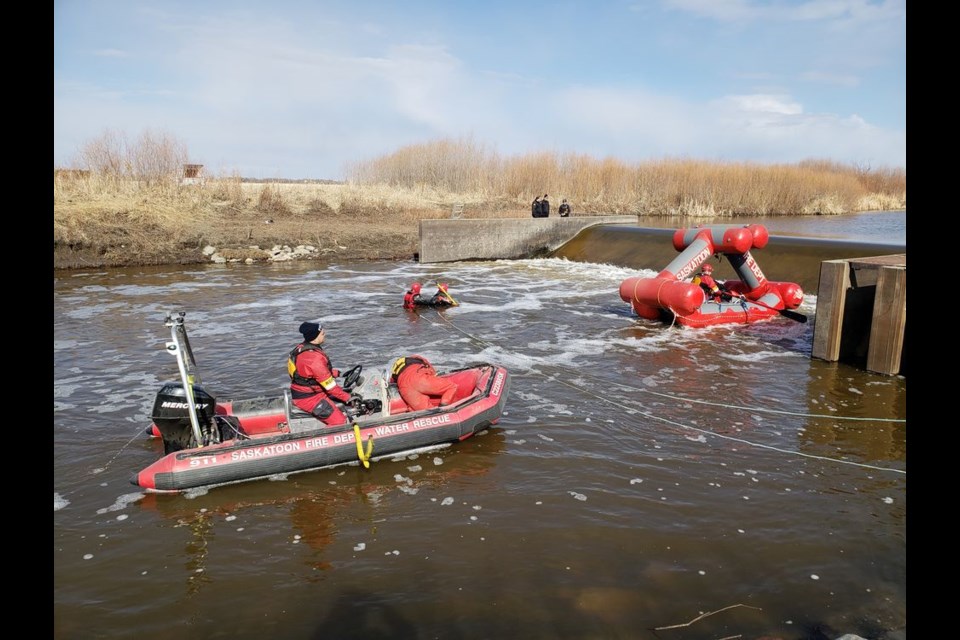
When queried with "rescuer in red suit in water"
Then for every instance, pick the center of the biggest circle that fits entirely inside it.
(313, 384)
(412, 296)
(413, 299)
(419, 385)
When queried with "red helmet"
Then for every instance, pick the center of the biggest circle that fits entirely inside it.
(442, 286)
(415, 287)
(706, 269)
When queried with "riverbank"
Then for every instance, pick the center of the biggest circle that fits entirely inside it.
(111, 223)
(110, 227)
(246, 236)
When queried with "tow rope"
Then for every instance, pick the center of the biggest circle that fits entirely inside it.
(363, 455)
(652, 416)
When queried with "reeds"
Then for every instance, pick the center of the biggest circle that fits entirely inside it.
(131, 195)
(659, 187)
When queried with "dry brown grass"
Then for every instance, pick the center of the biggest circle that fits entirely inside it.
(114, 215)
(662, 187)
(112, 224)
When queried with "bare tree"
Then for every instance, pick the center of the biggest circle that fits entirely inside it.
(154, 158)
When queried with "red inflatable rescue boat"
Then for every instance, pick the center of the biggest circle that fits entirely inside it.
(670, 296)
(208, 442)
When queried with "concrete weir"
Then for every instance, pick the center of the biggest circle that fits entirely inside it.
(861, 286)
(502, 238)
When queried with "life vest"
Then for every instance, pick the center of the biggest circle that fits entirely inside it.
(292, 365)
(708, 284)
(403, 363)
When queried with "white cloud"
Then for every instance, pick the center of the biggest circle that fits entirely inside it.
(270, 97)
(110, 53)
(840, 80)
(815, 10)
(758, 104)
(722, 10)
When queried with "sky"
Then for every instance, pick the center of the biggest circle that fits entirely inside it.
(300, 89)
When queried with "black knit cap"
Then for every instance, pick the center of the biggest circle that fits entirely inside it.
(310, 330)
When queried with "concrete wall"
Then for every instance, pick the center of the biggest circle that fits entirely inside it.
(502, 238)
(785, 258)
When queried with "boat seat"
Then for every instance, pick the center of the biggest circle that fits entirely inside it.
(383, 384)
(389, 394)
(291, 410)
(394, 400)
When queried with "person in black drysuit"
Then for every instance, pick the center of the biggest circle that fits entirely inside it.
(544, 207)
(535, 207)
(564, 209)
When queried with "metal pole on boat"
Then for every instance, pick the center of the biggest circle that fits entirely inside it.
(174, 348)
(189, 360)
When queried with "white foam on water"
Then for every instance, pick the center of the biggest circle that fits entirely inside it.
(756, 356)
(557, 408)
(94, 312)
(122, 502)
(528, 303)
(259, 304)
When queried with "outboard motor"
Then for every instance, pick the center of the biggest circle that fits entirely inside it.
(171, 415)
(368, 406)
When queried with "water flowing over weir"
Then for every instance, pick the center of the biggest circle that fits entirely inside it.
(786, 258)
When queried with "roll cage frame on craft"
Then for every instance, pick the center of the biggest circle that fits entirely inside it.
(179, 347)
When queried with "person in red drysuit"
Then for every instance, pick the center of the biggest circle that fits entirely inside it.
(313, 384)
(413, 299)
(715, 291)
(419, 385)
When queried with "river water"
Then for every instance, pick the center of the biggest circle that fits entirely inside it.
(886, 227)
(645, 481)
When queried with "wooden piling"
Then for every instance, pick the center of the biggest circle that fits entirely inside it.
(862, 312)
(889, 321)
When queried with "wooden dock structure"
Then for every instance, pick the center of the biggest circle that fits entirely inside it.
(862, 313)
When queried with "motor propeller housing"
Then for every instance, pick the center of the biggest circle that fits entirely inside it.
(171, 415)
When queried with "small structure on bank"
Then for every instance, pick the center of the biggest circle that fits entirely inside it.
(192, 174)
